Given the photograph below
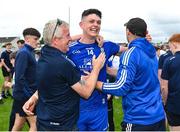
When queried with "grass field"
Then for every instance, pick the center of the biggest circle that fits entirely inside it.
(5, 109)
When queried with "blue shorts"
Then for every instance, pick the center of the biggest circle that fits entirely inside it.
(173, 119)
(94, 120)
(17, 107)
(50, 126)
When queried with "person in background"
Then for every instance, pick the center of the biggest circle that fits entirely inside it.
(171, 84)
(6, 69)
(110, 79)
(25, 79)
(20, 43)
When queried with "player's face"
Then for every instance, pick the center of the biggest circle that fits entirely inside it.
(91, 25)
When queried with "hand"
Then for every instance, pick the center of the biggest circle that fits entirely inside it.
(8, 69)
(7, 84)
(108, 97)
(148, 37)
(29, 106)
(100, 40)
(98, 63)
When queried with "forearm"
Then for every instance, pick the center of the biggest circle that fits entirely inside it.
(4, 64)
(164, 90)
(90, 83)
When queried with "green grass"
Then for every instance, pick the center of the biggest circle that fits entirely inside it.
(5, 110)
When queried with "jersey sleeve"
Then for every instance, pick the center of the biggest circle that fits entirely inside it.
(3, 55)
(165, 70)
(113, 48)
(160, 62)
(126, 74)
(21, 64)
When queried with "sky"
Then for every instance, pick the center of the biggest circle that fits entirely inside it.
(161, 16)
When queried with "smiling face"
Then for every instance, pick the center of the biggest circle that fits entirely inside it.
(62, 43)
(91, 25)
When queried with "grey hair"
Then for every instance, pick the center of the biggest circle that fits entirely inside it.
(49, 29)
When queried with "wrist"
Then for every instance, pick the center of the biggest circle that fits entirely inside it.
(35, 97)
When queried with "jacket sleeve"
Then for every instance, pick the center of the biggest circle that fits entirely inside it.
(125, 76)
(21, 64)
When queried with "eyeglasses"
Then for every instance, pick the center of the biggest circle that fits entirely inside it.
(59, 22)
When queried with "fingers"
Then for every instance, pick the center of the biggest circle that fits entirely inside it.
(99, 40)
(148, 37)
(86, 72)
(27, 111)
(93, 58)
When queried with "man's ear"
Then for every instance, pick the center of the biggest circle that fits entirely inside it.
(81, 24)
(147, 32)
(128, 32)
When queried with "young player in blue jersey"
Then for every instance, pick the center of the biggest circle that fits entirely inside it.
(137, 82)
(93, 112)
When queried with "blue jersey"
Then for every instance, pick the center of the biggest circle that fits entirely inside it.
(81, 54)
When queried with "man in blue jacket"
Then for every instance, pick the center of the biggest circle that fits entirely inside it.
(137, 82)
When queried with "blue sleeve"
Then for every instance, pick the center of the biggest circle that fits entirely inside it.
(21, 64)
(113, 48)
(125, 76)
(165, 70)
(160, 62)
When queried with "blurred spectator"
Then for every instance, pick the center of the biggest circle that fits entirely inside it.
(6, 69)
(171, 78)
(20, 43)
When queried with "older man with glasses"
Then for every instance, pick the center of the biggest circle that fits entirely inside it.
(59, 82)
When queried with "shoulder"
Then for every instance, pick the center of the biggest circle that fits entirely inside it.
(106, 42)
(66, 62)
(75, 43)
(3, 53)
(130, 54)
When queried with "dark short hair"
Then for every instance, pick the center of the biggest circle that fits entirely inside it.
(21, 41)
(137, 26)
(6, 44)
(13, 55)
(31, 31)
(91, 11)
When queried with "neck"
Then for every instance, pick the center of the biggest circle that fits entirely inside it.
(87, 40)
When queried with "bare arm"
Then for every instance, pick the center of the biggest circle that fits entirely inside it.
(85, 87)
(164, 90)
(4, 64)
